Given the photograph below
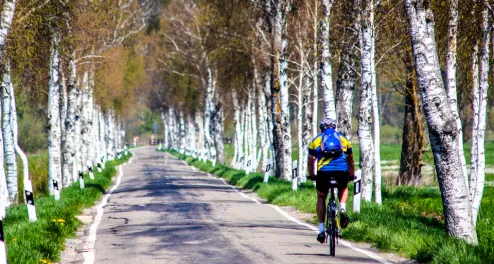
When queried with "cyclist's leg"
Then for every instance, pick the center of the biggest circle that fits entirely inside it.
(322, 188)
(342, 177)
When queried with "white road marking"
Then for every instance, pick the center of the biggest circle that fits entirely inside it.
(89, 254)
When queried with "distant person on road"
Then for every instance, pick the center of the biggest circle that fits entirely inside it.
(334, 157)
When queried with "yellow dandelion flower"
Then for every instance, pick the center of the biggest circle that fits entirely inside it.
(61, 220)
(43, 261)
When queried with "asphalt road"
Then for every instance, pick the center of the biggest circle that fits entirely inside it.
(165, 212)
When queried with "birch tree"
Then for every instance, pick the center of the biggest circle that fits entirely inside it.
(477, 175)
(347, 72)
(326, 67)
(54, 138)
(441, 122)
(8, 137)
(365, 109)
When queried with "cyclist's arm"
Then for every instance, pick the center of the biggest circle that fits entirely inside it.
(311, 162)
(351, 166)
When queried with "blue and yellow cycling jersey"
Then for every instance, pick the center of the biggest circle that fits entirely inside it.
(330, 164)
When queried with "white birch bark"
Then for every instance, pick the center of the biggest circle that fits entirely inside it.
(238, 139)
(181, 129)
(347, 73)
(451, 79)
(254, 132)
(365, 115)
(375, 109)
(69, 125)
(6, 16)
(8, 137)
(315, 73)
(54, 137)
(109, 134)
(244, 133)
(218, 133)
(326, 68)
(284, 97)
(478, 180)
(208, 111)
(300, 108)
(441, 122)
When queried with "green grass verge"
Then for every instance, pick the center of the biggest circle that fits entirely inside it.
(44, 239)
(410, 221)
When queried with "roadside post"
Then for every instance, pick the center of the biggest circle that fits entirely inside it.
(267, 171)
(294, 175)
(125, 149)
(357, 187)
(247, 169)
(99, 167)
(240, 163)
(90, 169)
(56, 190)
(102, 163)
(29, 197)
(81, 179)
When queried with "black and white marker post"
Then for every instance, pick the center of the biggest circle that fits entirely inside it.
(90, 169)
(294, 175)
(3, 248)
(267, 171)
(240, 162)
(357, 191)
(125, 151)
(119, 154)
(81, 179)
(103, 163)
(29, 198)
(56, 190)
(247, 169)
(99, 167)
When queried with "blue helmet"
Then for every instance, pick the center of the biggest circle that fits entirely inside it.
(327, 122)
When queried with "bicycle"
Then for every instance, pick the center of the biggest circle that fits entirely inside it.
(333, 230)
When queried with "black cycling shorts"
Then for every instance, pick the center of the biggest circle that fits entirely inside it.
(324, 177)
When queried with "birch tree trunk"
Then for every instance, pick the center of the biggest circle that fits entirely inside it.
(375, 110)
(181, 130)
(477, 180)
(326, 71)
(54, 138)
(254, 132)
(347, 73)
(69, 124)
(441, 122)
(109, 134)
(451, 79)
(8, 137)
(238, 143)
(7, 16)
(365, 116)
(208, 112)
(315, 72)
(218, 133)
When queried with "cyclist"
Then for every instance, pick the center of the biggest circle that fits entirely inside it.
(338, 165)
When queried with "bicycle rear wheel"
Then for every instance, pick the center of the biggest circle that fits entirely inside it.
(332, 233)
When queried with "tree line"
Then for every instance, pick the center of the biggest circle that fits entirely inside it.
(77, 64)
(261, 68)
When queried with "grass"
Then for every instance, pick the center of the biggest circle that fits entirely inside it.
(410, 221)
(44, 239)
